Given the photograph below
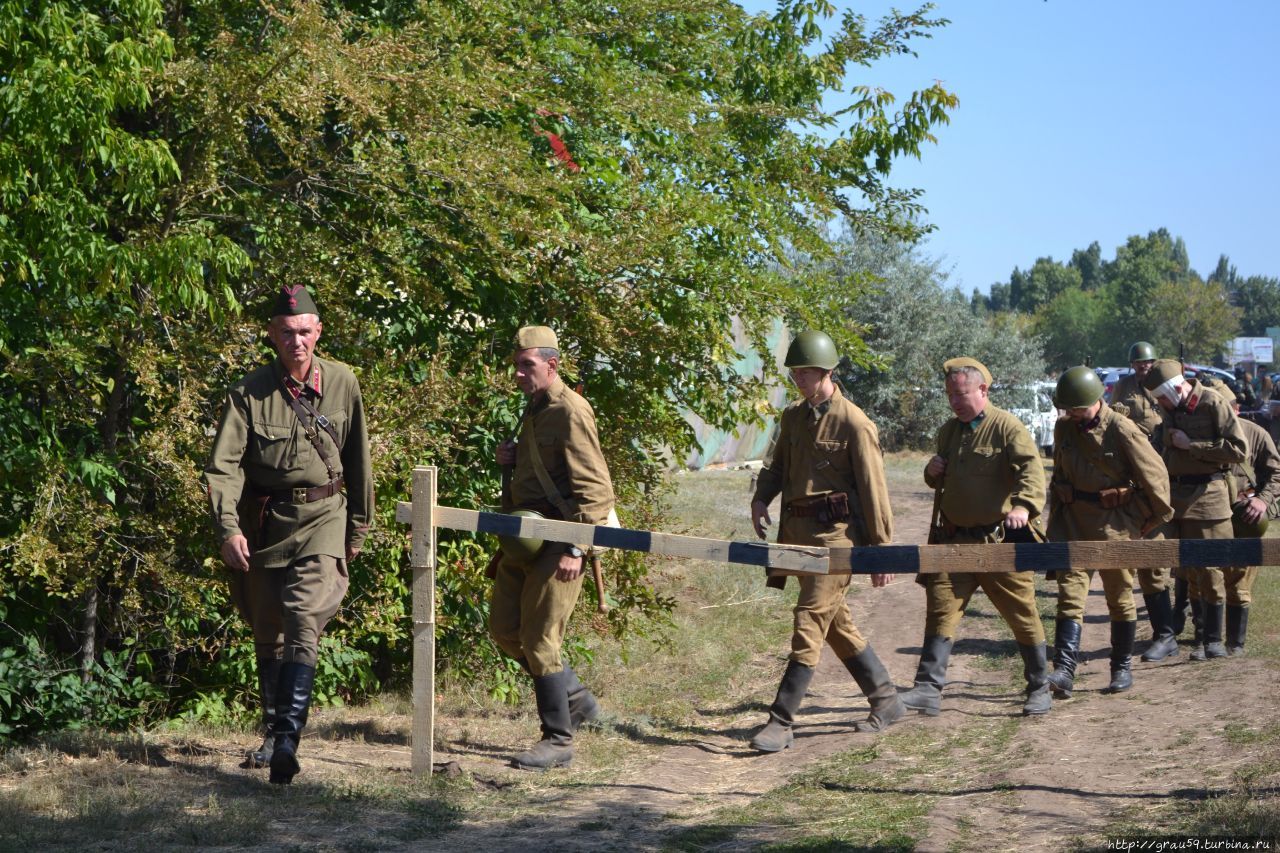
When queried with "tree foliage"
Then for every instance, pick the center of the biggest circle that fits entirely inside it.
(912, 321)
(635, 173)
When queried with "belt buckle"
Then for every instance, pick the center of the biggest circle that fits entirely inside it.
(300, 495)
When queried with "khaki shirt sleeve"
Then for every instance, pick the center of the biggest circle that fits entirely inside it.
(223, 475)
(771, 477)
(1149, 473)
(1266, 467)
(1028, 472)
(357, 472)
(942, 448)
(590, 487)
(869, 482)
(1229, 446)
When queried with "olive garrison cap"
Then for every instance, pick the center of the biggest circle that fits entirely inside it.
(294, 299)
(959, 363)
(536, 336)
(1161, 372)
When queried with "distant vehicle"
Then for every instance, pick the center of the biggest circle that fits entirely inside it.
(1110, 376)
(1033, 405)
(1191, 370)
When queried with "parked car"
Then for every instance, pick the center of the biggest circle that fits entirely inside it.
(1110, 376)
(1033, 405)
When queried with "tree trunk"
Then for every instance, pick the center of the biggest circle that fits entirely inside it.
(88, 632)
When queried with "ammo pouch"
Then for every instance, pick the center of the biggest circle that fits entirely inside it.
(827, 509)
(1118, 496)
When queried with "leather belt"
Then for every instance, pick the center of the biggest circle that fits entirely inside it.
(306, 495)
(1091, 497)
(804, 510)
(1197, 479)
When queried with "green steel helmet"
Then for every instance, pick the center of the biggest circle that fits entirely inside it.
(523, 549)
(1244, 529)
(812, 348)
(1142, 351)
(1077, 388)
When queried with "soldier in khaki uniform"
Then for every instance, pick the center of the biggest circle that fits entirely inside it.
(1255, 487)
(1108, 483)
(1140, 405)
(291, 490)
(828, 467)
(991, 488)
(534, 592)
(1201, 439)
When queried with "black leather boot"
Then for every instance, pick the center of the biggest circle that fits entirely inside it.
(583, 707)
(268, 679)
(1180, 602)
(1164, 643)
(1122, 636)
(1035, 666)
(873, 681)
(775, 735)
(1066, 654)
(1237, 627)
(931, 677)
(293, 702)
(1197, 620)
(1212, 614)
(556, 747)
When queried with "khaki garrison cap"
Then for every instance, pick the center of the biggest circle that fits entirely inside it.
(536, 336)
(957, 363)
(1161, 372)
(293, 299)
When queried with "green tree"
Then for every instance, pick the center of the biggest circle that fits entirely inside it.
(1073, 327)
(638, 175)
(1192, 316)
(913, 322)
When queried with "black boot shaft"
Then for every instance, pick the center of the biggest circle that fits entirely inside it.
(791, 692)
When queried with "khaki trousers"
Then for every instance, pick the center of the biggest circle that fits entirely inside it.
(1073, 592)
(1013, 594)
(822, 613)
(529, 609)
(288, 608)
(1237, 585)
(1205, 584)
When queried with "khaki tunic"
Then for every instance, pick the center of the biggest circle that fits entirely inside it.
(1139, 402)
(837, 452)
(1114, 453)
(990, 470)
(529, 608)
(1261, 472)
(1202, 511)
(297, 562)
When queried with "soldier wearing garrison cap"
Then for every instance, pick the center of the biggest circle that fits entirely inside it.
(827, 465)
(989, 487)
(291, 491)
(1201, 439)
(559, 472)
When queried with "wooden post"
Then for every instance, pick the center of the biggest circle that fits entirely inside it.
(423, 559)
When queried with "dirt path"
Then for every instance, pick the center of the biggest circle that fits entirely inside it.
(1068, 774)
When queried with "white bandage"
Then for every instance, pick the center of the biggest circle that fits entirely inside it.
(1171, 390)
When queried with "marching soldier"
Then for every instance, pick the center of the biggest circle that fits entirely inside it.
(1201, 439)
(828, 467)
(1166, 619)
(291, 490)
(1255, 486)
(1108, 483)
(990, 488)
(559, 472)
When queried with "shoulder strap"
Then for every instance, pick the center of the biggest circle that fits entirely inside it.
(553, 494)
(303, 408)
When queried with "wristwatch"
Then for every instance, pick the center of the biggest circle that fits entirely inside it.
(574, 551)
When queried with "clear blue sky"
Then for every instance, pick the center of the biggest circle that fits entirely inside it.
(1083, 120)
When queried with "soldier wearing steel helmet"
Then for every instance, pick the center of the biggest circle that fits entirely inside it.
(1140, 405)
(827, 465)
(1108, 483)
(559, 472)
(1201, 439)
(1255, 486)
(989, 483)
